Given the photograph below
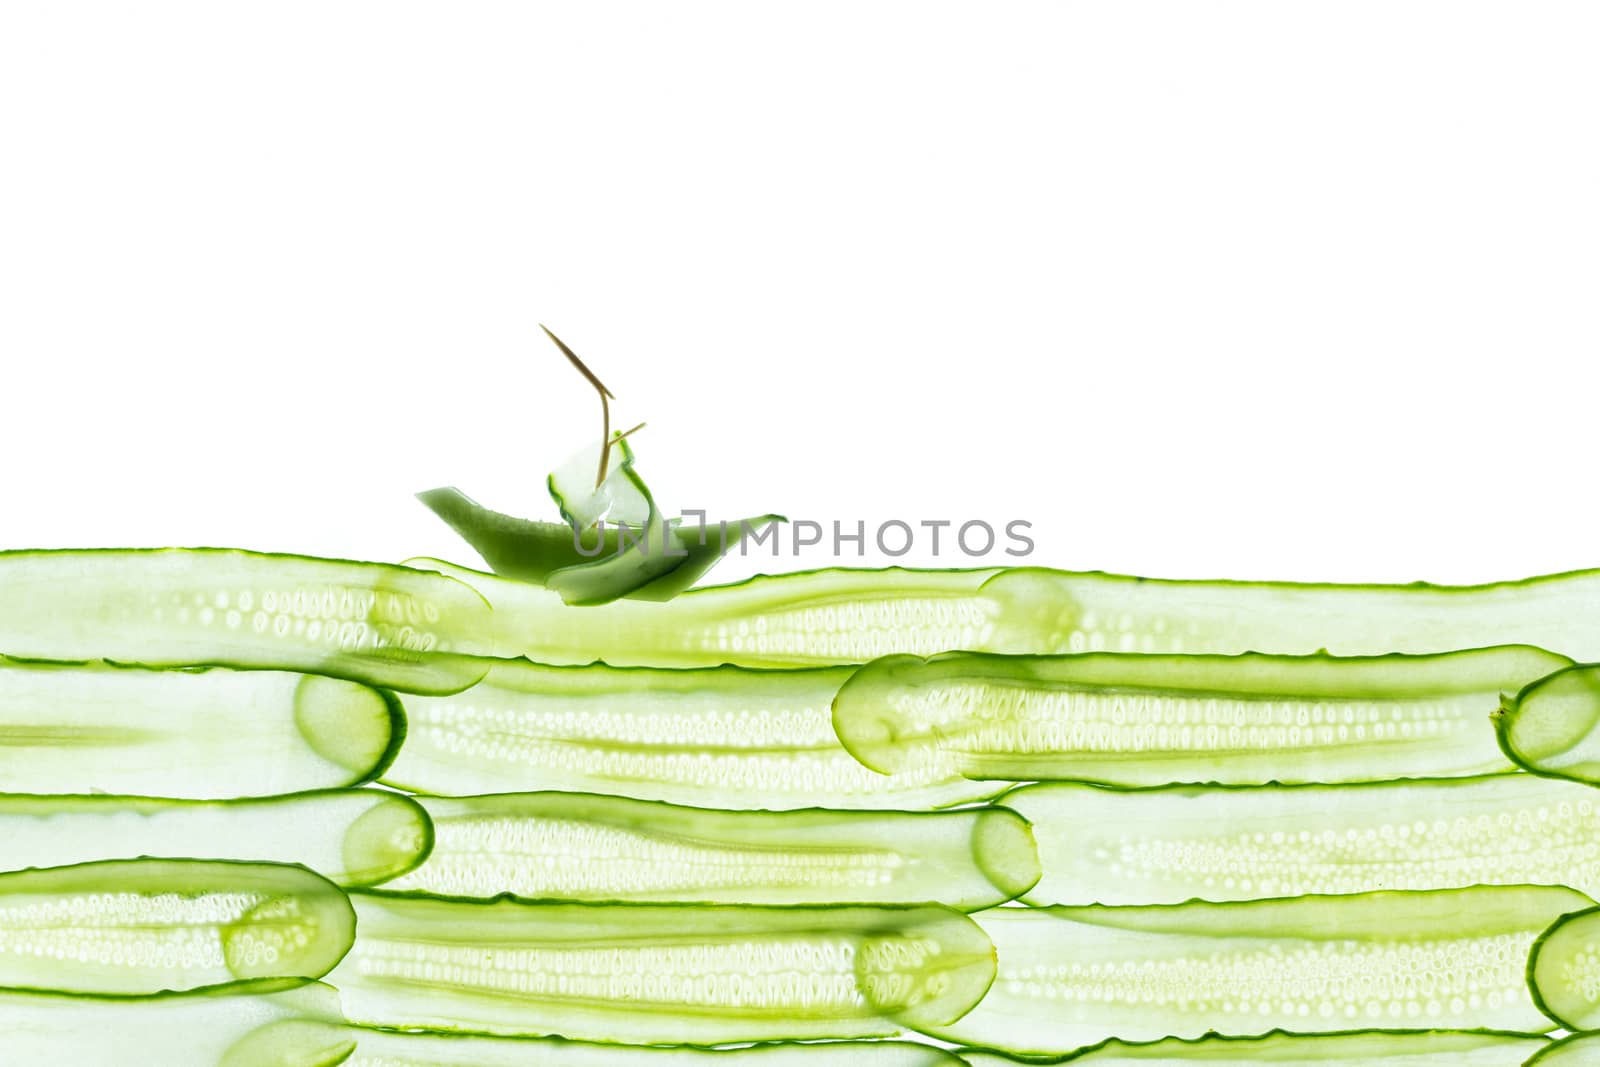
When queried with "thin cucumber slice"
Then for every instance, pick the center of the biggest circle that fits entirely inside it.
(723, 737)
(1448, 959)
(524, 549)
(136, 927)
(186, 1030)
(850, 616)
(1425, 1048)
(620, 499)
(810, 618)
(1165, 846)
(1574, 1050)
(1549, 727)
(168, 607)
(1136, 720)
(579, 846)
(352, 837)
(381, 1048)
(1564, 971)
(659, 974)
(188, 733)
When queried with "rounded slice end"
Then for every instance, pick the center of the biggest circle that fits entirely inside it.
(298, 932)
(1549, 727)
(869, 726)
(1564, 970)
(291, 1043)
(387, 840)
(348, 724)
(1005, 851)
(928, 972)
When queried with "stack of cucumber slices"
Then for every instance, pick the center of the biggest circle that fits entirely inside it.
(278, 811)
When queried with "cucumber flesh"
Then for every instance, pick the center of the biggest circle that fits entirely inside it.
(368, 622)
(579, 846)
(1136, 720)
(380, 1048)
(722, 737)
(188, 733)
(850, 616)
(659, 974)
(1428, 1048)
(1452, 958)
(621, 498)
(1564, 973)
(1549, 727)
(351, 837)
(1165, 846)
(136, 927)
(174, 1031)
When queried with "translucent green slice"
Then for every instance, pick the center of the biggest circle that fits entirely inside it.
(1424, 1048)
(1549, 727)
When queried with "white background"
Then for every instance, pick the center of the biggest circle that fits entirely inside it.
(1256, 290)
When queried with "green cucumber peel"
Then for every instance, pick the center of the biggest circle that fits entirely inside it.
(1356, 1048)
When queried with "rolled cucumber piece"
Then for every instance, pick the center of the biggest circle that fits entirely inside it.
(201, 734)
(352, 837)
(719, 737)
(1549, 727)
(1448, 959)
(587, 847)
(289, 1028)
(1564, 972)
(1425, 1048)
(379, 1048)
(1165, 846)
(1138, 720)
(849, 616)
(659, 974)
(1574, 1050)
(177, 607)
(138, 927)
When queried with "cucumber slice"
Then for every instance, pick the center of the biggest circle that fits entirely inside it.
(809, 618)
(381, 1048)
(167, 607)
(1452, 959)
(1165, 846)
(188, 733)
(1564, 971)
(351, 837)
(187, 1030)
(652, 974)
(1548, 728)
(1427, 1048)
(584, 847)
(722, 737)
(849, 616)
(134, 927)
(1574, 1050)
(1138, 720)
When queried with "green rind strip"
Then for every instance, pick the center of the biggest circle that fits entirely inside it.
(1449, 959)
(1549, 727)
(850, 616)
(1461, 1048)
(200, 734)
(581, 846)
(137, 927)
(368, 622)
(1169, 845)
(718, 737)
(351, 836)
(175, 1030)
(375, 1048)
(659, 974)
(1139, 720)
